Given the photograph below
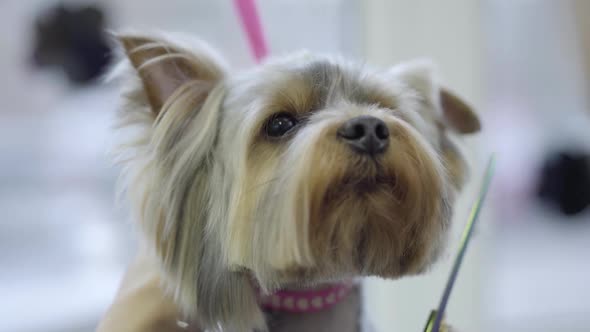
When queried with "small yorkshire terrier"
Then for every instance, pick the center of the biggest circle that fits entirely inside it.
(263, 193)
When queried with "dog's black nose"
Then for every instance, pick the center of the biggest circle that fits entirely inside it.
(365, 134)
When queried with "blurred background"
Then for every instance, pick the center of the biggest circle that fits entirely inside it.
(525, 65)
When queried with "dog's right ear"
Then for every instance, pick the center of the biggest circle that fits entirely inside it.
(456, 114)
(164, 68)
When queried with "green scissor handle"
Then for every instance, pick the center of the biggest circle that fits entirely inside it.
(436, 316)
(430, 323)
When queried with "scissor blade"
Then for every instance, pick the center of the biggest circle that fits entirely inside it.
(436, 317)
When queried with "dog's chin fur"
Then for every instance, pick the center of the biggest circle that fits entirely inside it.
(225, 206)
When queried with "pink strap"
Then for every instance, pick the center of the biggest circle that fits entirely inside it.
(253, 27)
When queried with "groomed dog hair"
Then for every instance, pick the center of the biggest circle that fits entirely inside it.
(228, 208)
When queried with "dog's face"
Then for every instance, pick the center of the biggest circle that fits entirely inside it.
(303, 170)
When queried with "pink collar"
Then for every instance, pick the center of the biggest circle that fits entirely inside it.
(306, 300)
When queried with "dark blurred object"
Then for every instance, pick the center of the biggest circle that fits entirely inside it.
(565, 182)
(74, 40)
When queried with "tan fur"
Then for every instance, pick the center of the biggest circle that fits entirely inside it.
(222, 205)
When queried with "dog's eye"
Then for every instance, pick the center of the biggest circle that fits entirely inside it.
(280, 124)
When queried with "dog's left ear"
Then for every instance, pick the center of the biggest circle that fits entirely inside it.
(456, 114)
